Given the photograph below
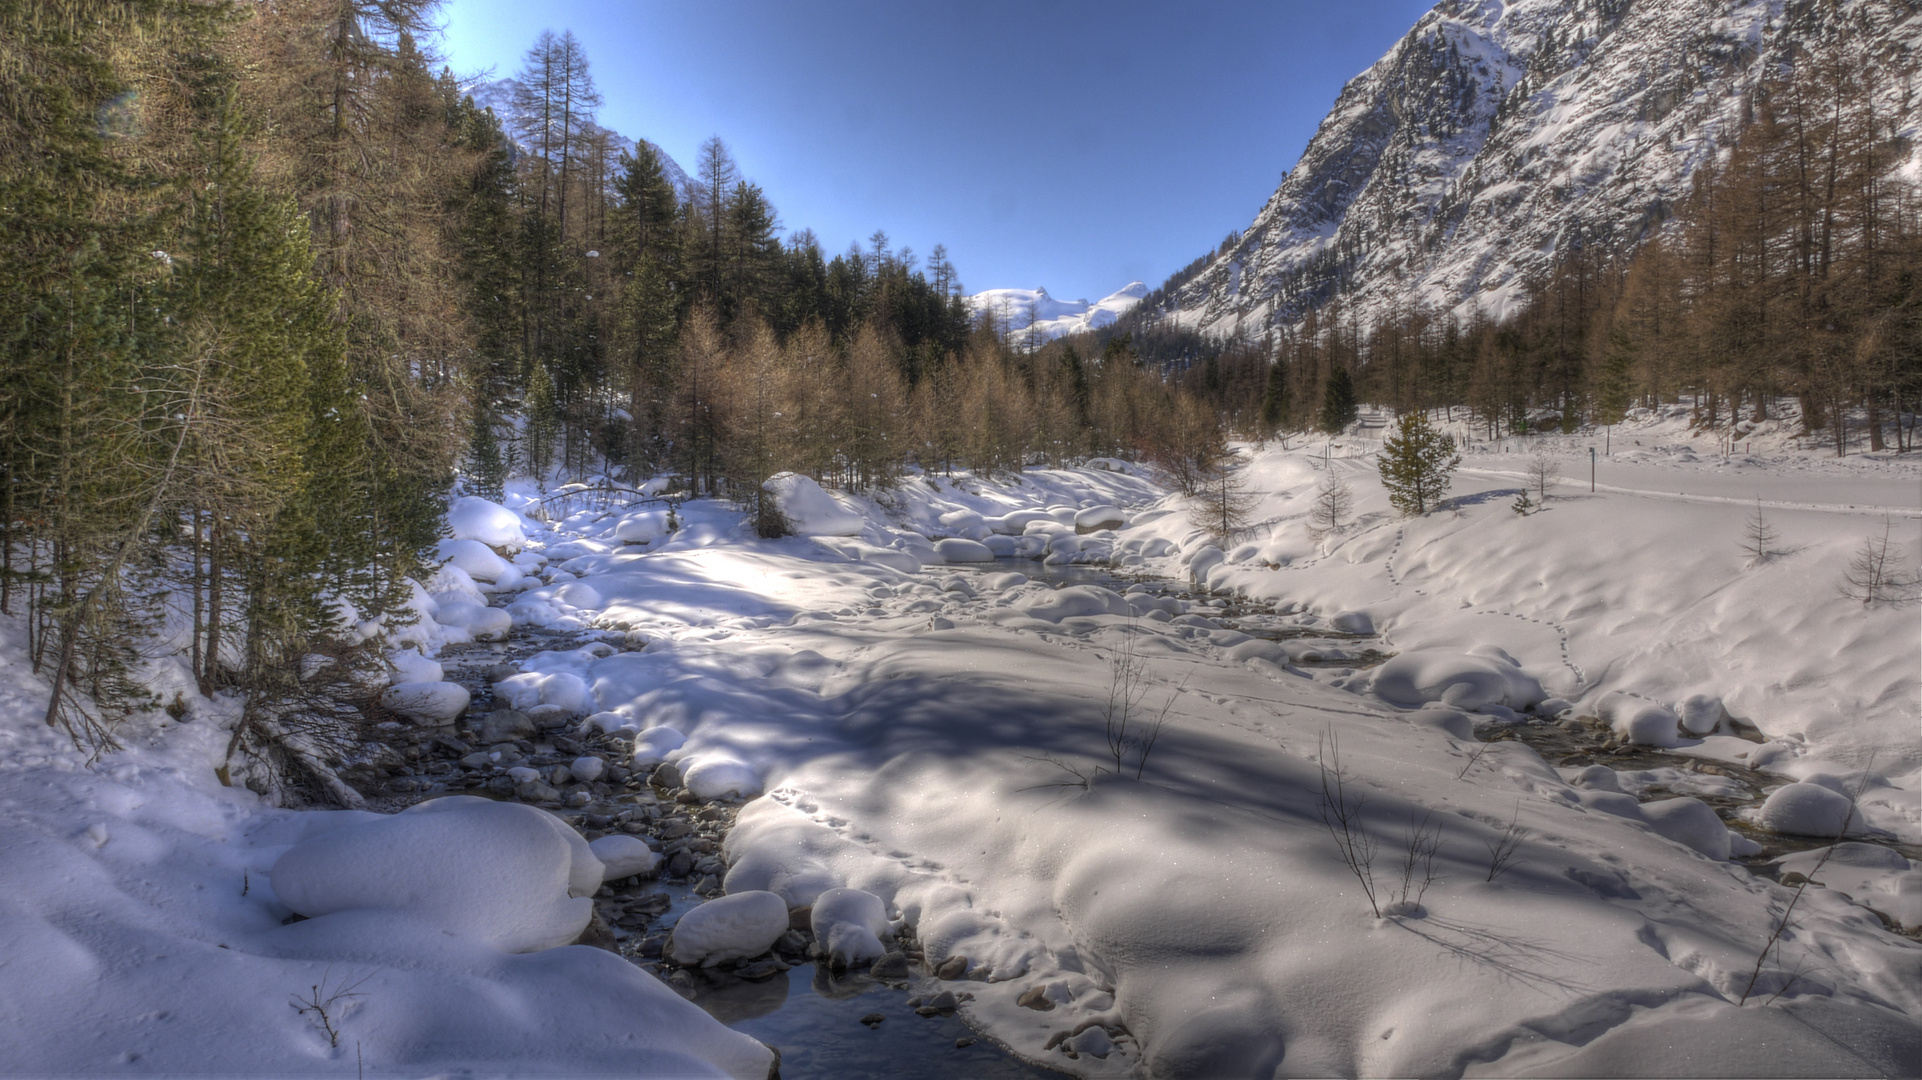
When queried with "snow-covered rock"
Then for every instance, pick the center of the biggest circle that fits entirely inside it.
(849, 925)
(1075, 601)
(809, 510)
(652, 746)
(474, 518)
(1805, 810)
(1462, 680)
(495, 872)
(428, 703)
(1689, 821)
(562, 689)
(1634, 720)
(731, 927)
(642, 527)
(479, 562)
(624, 855)
(959, 550)
(478, 621)
(1100, 517)
(717, 776)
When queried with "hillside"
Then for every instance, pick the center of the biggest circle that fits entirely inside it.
(1496, 136)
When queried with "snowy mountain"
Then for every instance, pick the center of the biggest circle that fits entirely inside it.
(1496, 135)
(1033, 313)
(498, 95)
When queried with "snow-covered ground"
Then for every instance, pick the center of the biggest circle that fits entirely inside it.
(912, 722)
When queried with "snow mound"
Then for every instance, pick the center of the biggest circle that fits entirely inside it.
(1464, 681)
(562, 689)
(490, 523)
(498, 873)
(849, 924)
(1100, 517)
(644, 527)
(732, 927)
(717, 777)
(652, 746)
(624, 856)
(1643, 723)
(958, 550)
(1076, 601)
(809, 510)
(1689, 821)
(1804, 809)
(478, 621)
(479, 562)
(427, 703)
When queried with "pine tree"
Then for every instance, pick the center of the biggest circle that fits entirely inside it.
(1338, 406)
(1274, 399)
(1416, 463)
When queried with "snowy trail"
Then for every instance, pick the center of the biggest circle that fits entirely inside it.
(1908, 509)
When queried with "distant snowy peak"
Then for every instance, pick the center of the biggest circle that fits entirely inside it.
(1033, 313)
(498, 95)
(1495, 136)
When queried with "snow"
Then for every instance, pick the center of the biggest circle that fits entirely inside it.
(427, 703)
(1644, 723)
(849, 925)
(1033, 314)
(495, 873)
(624, 856)
(936, 739)
(479, 562)
(732, 927)
(1806, 809)
(474, 518)
(809, 510)
(960, 550)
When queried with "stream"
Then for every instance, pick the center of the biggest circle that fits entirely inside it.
(849, 1024)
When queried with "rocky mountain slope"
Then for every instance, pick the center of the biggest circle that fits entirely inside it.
(1497, 135)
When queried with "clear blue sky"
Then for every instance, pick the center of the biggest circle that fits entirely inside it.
(1075, 146)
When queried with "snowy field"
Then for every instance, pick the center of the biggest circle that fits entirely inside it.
(910, 719)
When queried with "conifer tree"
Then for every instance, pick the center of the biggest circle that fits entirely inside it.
(1416, 464)
(1338, 406)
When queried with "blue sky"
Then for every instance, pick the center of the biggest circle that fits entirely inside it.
(1075, 146)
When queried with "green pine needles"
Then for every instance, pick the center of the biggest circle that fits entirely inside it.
(1416, 463)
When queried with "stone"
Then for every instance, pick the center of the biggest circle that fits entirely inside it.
(963, 1042)
(479, 759)
(873, 1020)
(679, 865)
(892, 966)
(954, 967)
(1036, 998)
(666, 775)
(761, 969)
(675, 829)
(505, 725)
(535, 791)
(945, 1001)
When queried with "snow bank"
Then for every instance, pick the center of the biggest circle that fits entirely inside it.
(809, 510)
(489, 523)
(731, 927)
(497, 873)
(1689, 821)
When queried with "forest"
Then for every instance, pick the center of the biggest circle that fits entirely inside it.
(275, 284)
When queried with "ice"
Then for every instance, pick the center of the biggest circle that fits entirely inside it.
(624, 856)
(731, 927)
(1453, 678)
(497, 873)
(427, 703)
(958, 550)
(849, 925)
(714, 776)
(1805, 809)
(1644, 723)
(651, 747)
(474, 518)
(809, 510)
(1689, 821)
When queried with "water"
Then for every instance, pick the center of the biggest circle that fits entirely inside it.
(815, 1018)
